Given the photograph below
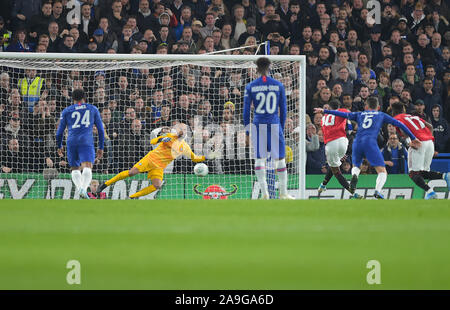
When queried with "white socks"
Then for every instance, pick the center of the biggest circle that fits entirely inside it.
(280, 166)
(260, 171)
(381, 179)
(77, 179)
(86, 178)
(356, 170)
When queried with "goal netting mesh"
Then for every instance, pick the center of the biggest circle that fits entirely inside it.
(136, 98)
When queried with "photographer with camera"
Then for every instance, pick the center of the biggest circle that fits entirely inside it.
(272, 22)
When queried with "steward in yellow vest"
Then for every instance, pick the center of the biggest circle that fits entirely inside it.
(31, 87)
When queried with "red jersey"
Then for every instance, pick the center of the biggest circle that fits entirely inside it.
(333, 127)
(416, 125)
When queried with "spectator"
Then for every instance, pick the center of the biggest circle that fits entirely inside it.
(271, 22)
(440, 129)
(316, 161)
(58, 14)
(251, 31)
(426, 93)
(156, 104)
(363, 62)
(13, 158)
(312, 139)
(395, 156)
(184, 17)
(165, 37)
(208, 29)
(144, 19)
(430, 72)
(31, 87)
(79, 41)
(410, 78)
(182, 112)
(420, 110)
(23, 11)
(343, 62)
(5, 88)
(109, 37)
(93, 193)
(425, 50)
(373, 47)
(38, 24)
(417, 19)
(14, 129)
(19, 42)
(360, 100)
(406, 99)
(102, 45)
(343, 79)
(68, 45)
(117, 18)
(53, 36)
(322, 97)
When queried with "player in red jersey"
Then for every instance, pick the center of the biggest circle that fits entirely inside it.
(419, 160)
(336, 143)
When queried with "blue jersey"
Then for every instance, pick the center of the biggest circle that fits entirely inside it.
(269, 99)
(365, 143)
(80, 120)
(370, 123)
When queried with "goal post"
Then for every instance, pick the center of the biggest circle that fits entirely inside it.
(137, 95)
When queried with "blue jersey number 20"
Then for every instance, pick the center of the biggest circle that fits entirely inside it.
(267, 103)
(84, 121)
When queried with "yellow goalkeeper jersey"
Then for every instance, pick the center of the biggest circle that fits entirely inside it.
(170, 147)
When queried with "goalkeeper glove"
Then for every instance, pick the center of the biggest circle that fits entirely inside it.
(198, 159)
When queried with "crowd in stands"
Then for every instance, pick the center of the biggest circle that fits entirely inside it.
(401, 57)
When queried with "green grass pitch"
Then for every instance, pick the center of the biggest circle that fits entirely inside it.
(225, 244)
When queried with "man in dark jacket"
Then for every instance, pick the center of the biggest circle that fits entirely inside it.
(38, 24)
(22, 12)
(440, 128)
(12, 158)
(395, 156)
(427, 94)
(68, 45)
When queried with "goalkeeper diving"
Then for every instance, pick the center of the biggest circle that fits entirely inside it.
(171, 146)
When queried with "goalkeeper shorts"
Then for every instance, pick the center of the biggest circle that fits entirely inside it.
(154, 172)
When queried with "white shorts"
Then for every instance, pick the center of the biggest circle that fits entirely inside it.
(335, 150)
(420, 160)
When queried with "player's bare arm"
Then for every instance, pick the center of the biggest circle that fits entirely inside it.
(318, 110)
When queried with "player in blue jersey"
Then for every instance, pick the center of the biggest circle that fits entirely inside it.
(80, 118)
(269, 101)
(365, 143)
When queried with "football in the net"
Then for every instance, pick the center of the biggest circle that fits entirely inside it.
(201, 170)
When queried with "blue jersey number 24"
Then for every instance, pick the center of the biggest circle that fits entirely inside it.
(85, 120)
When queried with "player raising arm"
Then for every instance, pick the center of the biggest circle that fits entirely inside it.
(80, 119)
(269, 98)
(365, 143)
(419, 160)
(171, 146)
(336, 143)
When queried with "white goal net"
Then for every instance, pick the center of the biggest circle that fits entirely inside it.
(137, 95)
